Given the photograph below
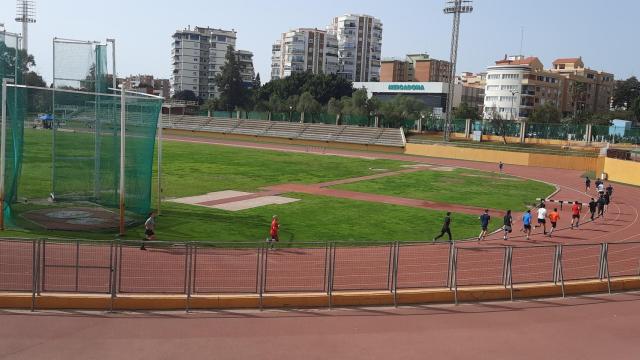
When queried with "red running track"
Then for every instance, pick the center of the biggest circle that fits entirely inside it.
(364, 268)
(584, 328)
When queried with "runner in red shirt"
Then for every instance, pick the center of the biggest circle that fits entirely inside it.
(275, 226)
(575, 214)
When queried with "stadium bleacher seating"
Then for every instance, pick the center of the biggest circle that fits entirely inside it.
(302, 131)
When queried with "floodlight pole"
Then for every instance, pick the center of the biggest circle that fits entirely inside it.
(3, 146)
(455, 7)
(114, 79)
(123, 116)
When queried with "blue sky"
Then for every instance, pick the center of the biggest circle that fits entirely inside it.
(605, 37)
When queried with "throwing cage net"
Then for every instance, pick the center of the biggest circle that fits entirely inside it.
(74, 139)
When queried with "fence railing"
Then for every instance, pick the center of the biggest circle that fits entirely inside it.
(116, 268)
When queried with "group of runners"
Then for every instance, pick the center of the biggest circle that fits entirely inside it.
(597, 209)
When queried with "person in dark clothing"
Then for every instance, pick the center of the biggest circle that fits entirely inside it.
(593, 206)
(446, 227)
(508, 225)
(587, 184)
(609, 191)
(484, 222)
(601, 204)
(607, 199)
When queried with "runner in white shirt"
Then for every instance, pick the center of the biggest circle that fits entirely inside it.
(542, 218)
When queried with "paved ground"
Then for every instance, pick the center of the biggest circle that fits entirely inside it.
(595, 327)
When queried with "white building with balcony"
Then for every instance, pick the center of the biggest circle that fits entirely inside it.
(198, 55)
(302, 50)
(515, 85)
(359, 46)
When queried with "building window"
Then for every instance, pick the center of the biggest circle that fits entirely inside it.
(222, 38)
(493, 77)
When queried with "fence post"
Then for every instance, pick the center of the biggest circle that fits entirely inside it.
(606, 266)
(455, 274)
(332, 276)
(189, 269)
(263, 274)
(555, 266)
(450, 266)
(43, 263)
(390, 265)
(330, 269)
(560, 271)
(395, 274)
(510, 276)
(114, 272)
(34, 272)
(77, 264)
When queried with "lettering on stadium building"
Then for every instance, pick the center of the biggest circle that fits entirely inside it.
(405, 87)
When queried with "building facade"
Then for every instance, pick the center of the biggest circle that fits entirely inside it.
(583, 89)
(359, 46)
(415, 68)
(302, 50)
(515, 85)
(198, 55)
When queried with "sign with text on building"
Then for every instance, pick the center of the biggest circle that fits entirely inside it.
(405, 87)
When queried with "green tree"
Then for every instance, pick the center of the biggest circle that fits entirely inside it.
(498, 123)
(545, 114)
(233, 94)
(400, 109)
(625, 93)
(185, 95)
(257, 83)
(308, 105)
(466, 111)
(635, 109)
(322, 87)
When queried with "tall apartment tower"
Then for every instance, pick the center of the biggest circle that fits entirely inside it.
(359, 46)
(301, 50)
(198, 55)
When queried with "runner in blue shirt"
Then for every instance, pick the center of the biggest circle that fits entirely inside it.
(526, 222)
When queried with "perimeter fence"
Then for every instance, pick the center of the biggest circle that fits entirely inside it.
(115, 268)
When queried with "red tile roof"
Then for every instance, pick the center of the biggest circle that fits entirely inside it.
(566, 61)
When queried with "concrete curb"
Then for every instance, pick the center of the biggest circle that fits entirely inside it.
(55, 301)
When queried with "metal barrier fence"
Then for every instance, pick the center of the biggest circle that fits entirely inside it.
(191, 269)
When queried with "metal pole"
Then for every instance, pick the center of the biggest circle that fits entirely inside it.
(34, 273)
(53, 126)
(114, 79)
(3, 149)
(123, 117)
(455, 275)
(160, 161)
(395, 275)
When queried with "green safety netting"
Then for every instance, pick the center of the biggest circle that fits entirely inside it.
(11, 69)
(74, 138)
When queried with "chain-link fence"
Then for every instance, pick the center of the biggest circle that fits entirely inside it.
(191, 269)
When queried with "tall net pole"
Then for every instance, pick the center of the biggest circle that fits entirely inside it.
(455, 7)
(3, 147)
(123, 117)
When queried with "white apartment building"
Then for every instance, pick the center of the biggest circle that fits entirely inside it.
(359, 46)
(198, 55)
(301, 50)
(515, 85)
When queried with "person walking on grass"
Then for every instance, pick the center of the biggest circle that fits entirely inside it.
(484, 223)
(587, 185)
(446, 227)
(593, 206)
(526, 223)
(542, 218)
(273, 232)
(508, 225)
(149, 229)
(575, 214)
(554, 216)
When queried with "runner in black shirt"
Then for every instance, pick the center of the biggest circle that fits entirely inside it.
(587, 184)
(446, 227)
(601, 203)
(593, 205)
(508, 223)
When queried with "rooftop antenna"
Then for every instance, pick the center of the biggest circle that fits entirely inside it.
(25, 14)
(455, 7)
(521, 39)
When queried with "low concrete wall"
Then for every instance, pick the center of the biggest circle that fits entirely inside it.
(507, 157)
(306, 300)
(622, 171)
